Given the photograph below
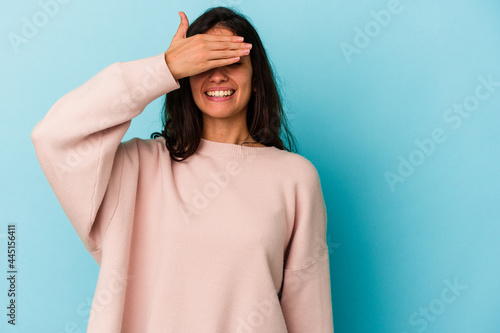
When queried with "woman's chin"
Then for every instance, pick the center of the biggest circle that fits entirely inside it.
(220, 112)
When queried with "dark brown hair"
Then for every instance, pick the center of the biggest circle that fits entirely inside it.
(181, 117)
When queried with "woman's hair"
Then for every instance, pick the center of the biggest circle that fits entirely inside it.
(266, 120)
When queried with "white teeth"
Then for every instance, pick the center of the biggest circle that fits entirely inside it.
(220, 93)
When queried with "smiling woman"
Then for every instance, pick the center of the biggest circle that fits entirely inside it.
(222, 94)
(253, 115)
(231, 237)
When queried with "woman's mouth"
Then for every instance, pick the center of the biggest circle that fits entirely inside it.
(219, 95)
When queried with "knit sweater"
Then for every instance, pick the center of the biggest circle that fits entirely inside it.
(232, 239)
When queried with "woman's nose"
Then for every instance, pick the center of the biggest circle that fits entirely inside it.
(217, 74)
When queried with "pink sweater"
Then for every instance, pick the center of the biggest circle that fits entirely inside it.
(233, 239)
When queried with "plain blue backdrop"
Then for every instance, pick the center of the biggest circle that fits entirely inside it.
(396, 103)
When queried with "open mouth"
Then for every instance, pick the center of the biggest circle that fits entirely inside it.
(220, 93)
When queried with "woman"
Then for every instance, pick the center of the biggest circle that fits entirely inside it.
(212, 226)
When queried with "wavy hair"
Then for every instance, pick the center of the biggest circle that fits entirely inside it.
(266, 120)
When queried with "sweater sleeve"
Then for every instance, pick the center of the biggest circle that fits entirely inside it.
(77, 141)
(305, 295)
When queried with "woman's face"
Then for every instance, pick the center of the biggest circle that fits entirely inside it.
(230, 86)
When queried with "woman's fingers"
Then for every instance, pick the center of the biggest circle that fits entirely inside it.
(224, 38)
(220, 63)
(225, 54)
(201, 52)
(217, 58)
(210, 64)
(225, 45)
(183, 27)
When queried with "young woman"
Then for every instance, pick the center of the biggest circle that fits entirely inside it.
(210, 226)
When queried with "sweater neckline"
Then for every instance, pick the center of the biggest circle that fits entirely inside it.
(214, 148)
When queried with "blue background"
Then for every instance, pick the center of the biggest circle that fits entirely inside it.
(394, 249)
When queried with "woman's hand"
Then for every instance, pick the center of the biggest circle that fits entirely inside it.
(199, 53)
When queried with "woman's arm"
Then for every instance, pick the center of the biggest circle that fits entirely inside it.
(77, 140)
(306, 293)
